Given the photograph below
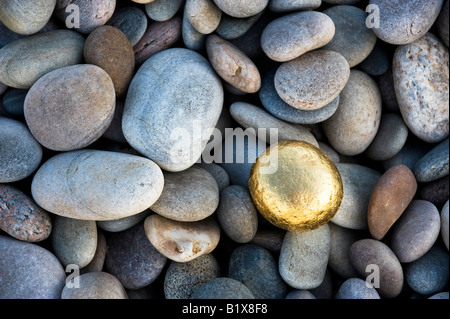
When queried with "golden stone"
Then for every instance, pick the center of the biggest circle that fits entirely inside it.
(296, 186)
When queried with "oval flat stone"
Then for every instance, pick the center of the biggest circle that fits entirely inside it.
(292, 35)
(248, 260)
(390, 139)
(162, 10)
(341, 240)
(24, 61)
(354, 125)
(405, 21)
(25, 17)
(391, 195)
(203, 15)
(293, 5)
(243, 8)
(423, 103)
(232, 65)
(367, 252)
(444, 223)
(192, 39)
(270, 239)
(409, 155)
(434, 164)
(188, 196)
(280, 109)
(92, 14)
(236, 214)
(124, 184)
(353, 39)
(182, 279)
(13, 101)
(175, 92)
(430, 273)
(416, 231)
(386, 85)
(312, 80)
(377, 63)
(122, 224)
(253, 117)
(358, 182)
(304, 257)
(66, 118)
(223, 288)
(133, 245)
(20, 153)
(20, 217)
(132, 21)
(233, 28)
(159, 36)
(98, 261)
(29, 271)
(108, 48)
(182, 241)
(219, 174)
(74, 241)
(436, 192)
(96, 285)
(356, 288)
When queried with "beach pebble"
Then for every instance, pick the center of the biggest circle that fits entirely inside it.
(280, 109)
(390, 139)
(292, 35)
(25, 17)
(7, 36)
(20, 153)
(423, 104)
(331, 153)
(386, 85)
(352, 38)
(219, 174)
(188, 97)
(243, 8)
(29, 271)
(96, 285)
(248, 260)
(108, 48)
(64, 118)
(391, 195)
(293, 5)
(416, 231)
(377, 63)
(270, 239)
(97, 263)
(182, 241)
(341, 1)
(121, 224)
(232, 65)
(74, 241)
(367, 252)
(203, 15)
(222, 288)
(92, 14)
(440, 295)
(188, 196)
(132, 21)
(354, 125)
(3, 88)
(97, 185)
(430, 273)
(236, 214)
(182, 279)
(114, 131)
(304, 257)
(13, 101)
(24, 61)
(341, 240)
(444, 224)
(442, 23)
(162, 10)
(233, 28)
(300, 294)
(20, 217)
(436, 192)
(132, 259)
(359, 182)
(253, 117)
(250, 41)
(192, 39)
(356, 288)
(434, 164)
(406, 20)
(159, 36)
(409, 155)
(313, 80)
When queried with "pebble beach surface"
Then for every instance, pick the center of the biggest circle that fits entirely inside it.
(215, 149)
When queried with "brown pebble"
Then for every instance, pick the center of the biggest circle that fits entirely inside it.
(391, 195)
(110, 49)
